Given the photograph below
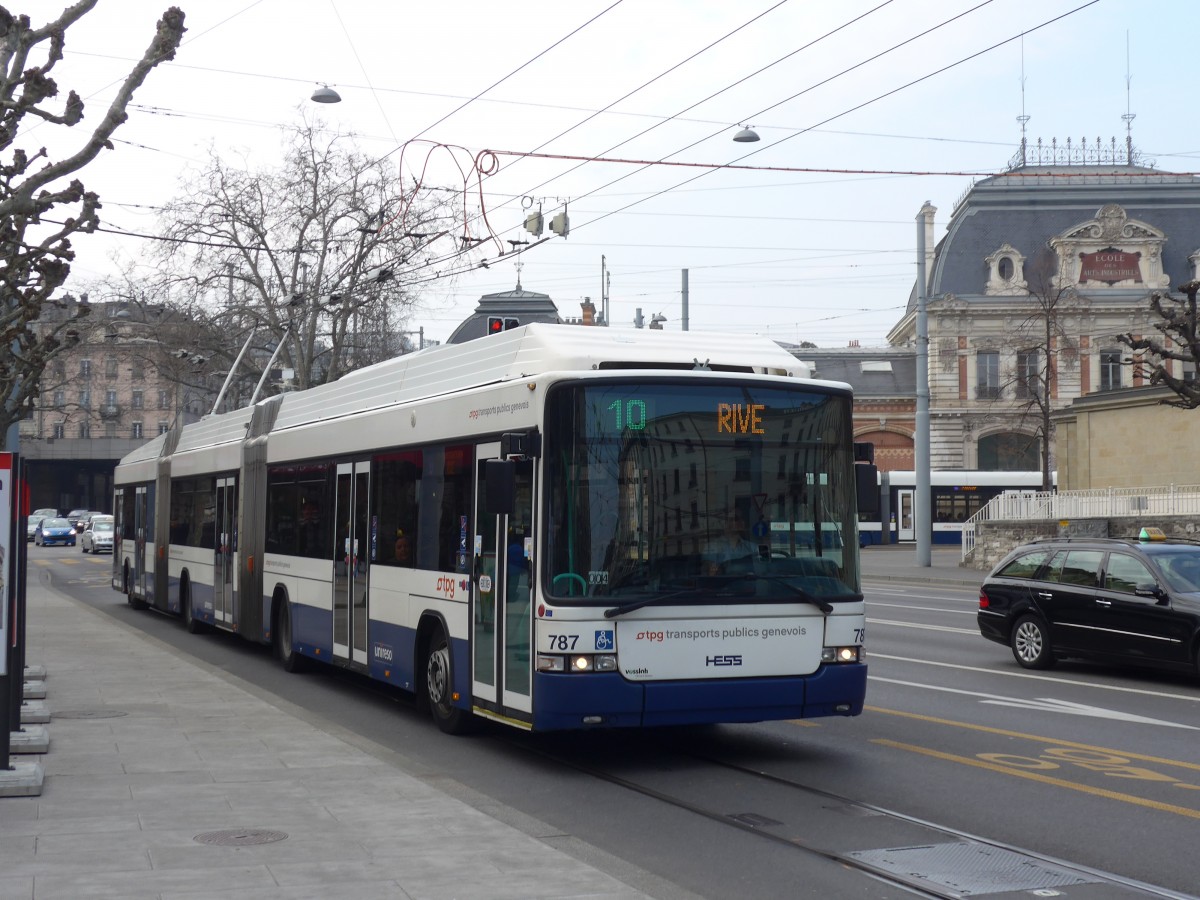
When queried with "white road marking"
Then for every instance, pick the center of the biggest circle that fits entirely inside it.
(1013, 673)
(1044, 704)
(959, 612)
(974, 631)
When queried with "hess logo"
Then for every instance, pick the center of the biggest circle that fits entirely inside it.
(724, 660)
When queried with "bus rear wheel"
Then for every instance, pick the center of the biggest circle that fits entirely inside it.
(285, 650)
(190, 622)
(127, 589)
(439, 686)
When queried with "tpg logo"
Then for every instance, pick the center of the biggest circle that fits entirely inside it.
(726, 660)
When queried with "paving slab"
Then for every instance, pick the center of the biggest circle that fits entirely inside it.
(168, 778)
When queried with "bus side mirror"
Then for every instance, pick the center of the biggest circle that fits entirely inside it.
(499, 486)
(866, 482)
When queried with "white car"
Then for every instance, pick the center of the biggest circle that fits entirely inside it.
(98, 536)
(32, 526)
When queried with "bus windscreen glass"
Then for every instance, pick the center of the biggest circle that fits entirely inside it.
(712, 492)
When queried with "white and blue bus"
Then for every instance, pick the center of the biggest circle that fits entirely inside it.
(517, 528)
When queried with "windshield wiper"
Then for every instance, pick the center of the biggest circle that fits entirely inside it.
(823, 605)
(645, 601)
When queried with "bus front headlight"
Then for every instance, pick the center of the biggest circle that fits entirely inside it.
(842, 654)
(550, 662)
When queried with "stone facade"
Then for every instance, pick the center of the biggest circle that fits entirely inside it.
(1128, 438)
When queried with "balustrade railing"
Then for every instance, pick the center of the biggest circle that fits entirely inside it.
(1097, 503)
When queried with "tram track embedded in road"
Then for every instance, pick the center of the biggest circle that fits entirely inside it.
(934, 861)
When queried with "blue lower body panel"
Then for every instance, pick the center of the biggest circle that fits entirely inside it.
(563, 701)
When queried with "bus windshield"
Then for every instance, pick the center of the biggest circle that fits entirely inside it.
(714, 490)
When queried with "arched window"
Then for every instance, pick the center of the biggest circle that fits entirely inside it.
(1005, 268)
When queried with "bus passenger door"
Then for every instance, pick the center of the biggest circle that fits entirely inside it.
(905, 528)
(141, 514)
(350, 567)
(225, 549)
(501, 624)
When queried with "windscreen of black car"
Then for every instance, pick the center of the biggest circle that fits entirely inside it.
(1180, 566)
(643, 477)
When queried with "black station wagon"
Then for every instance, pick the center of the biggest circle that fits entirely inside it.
(1134, 602)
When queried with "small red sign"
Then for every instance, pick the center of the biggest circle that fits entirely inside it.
(1109, 266)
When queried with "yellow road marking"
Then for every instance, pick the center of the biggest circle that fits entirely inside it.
(1042, 779)
(1034, 737)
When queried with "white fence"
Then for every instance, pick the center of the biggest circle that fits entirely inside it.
(1043, 506)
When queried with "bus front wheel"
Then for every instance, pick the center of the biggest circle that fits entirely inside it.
(439, 686)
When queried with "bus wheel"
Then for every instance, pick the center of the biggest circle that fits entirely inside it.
(190, 622)
(439, 684)
(127, 589)
(284, 651)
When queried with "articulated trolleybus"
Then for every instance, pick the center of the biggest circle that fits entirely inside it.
(531, 527)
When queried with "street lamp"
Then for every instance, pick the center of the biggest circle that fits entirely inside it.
(326, 94)
(746, 136)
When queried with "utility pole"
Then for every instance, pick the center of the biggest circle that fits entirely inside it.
(603, 289)
(922, 499)
(685, 299)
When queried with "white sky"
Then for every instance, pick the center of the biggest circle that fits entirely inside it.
(795, 255)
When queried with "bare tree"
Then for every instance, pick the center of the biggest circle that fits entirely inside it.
(308, 256)
(1179, 342)
(37, 249)
(1037, 345)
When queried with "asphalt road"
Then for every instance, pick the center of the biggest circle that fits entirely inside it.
(1081, 765)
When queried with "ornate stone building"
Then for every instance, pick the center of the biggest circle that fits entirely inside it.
(1040, 269)
(129, 378)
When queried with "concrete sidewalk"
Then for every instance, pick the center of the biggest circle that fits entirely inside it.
(166, 778)
(898, 562)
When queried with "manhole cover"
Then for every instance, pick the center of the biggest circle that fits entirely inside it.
(240, 837)
(969, 869)
(88, 714)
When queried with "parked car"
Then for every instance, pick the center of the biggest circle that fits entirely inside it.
(54, 531)
(31, 526)
(1115, 601)
(98, 536)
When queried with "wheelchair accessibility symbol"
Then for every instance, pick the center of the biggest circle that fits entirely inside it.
(605, 640)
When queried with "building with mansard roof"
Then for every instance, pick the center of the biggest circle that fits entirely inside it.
(884, 380)
(1040, 269)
